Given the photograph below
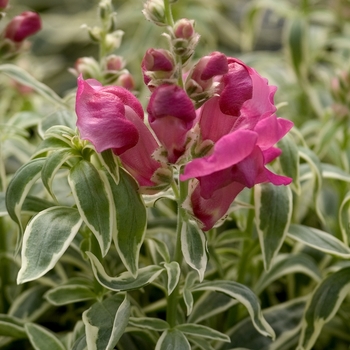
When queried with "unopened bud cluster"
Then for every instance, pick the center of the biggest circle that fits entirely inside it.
(154, 11)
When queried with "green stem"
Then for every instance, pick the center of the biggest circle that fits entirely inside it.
(173, 298)
(168, 13)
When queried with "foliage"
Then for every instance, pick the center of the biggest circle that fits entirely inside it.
(89, 262)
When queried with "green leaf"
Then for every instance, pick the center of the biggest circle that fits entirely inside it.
(131, 219)
(125, 281)
(319, 240)
(60, 117)
(173, 270)
(286, 264)
(344, 218)
(323, 305)
(284, 319)
(296, 35)
(273, 211)
(45, 239)
(160, 246)
(193, 246)
(31, 205)
(151, 323)
(199, 330)
(23, 77)
(330, 171)
(289, 160)
(93, 199)
(12, 327)
(105, 322)
(53, 163)
(69, 294)
(210, 304)
(30, 305)
(110, 162)
(19, 187)
(316, 169)
(245, 296)
(190, 280)
(42, 339)
(173, 339)
(50, 144)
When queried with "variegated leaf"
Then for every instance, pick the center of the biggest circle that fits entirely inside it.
(45, 239)
(131, 219)
(94, 201)
(154, 324)
(286, 264)
(173, 270)
(173, 339)
(125, 281)
(344, 218)
(245, 296)
(199, 330)
(19, 187)
(273, 211)
(42, 339)
(193, 246)
(11, 326)
(52, 164)
(323, 305)
(105, 322)
(319, 240)
(22, 76)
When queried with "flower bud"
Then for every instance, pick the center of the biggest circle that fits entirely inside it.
(88, 67)
(3, 4)
(200, 84)
(22, 26)
(158, 66)
(114, 63)
(113, 40)
(184, 39)
(154, 11)
(184, 29)
(126, 81)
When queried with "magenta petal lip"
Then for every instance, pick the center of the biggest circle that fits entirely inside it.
(229, 150)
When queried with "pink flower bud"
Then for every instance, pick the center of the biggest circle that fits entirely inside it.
(22, 26)
(157, 65)
(114, 62)
(184, 29)
(88, 67)
(3, 4)
(126, 81)
(200, 79)
(171, 115)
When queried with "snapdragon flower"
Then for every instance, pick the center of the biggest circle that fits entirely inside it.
(240, 121)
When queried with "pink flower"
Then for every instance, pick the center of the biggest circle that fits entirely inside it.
(111, 117)
(171, 115)
(241, 123)
(104, 114)
(22, 26)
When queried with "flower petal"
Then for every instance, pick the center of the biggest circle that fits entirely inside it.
(229, 150)
(101, 116)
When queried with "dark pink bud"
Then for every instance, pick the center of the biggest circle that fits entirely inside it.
(171, 115)
(22, 26)
(158, 60)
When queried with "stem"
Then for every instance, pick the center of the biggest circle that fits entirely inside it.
(168, 13)
(173, 298)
